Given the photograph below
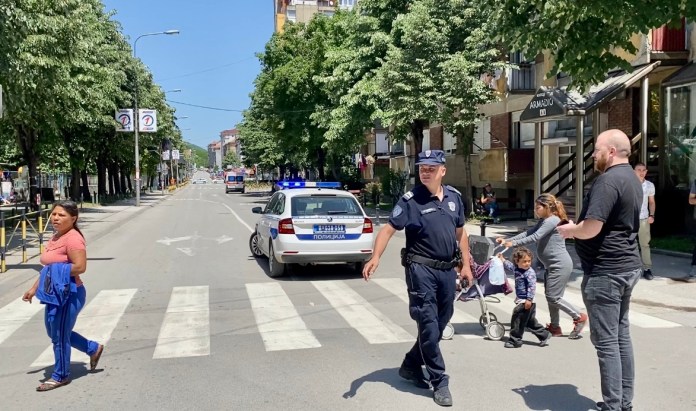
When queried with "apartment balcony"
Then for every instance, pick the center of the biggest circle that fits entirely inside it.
(670, 44)
(522, 79)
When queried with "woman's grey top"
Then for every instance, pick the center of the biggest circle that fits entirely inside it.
(551, 249)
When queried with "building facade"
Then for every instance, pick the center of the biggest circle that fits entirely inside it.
(302, 11)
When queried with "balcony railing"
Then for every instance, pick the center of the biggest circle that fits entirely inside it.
(665, 39)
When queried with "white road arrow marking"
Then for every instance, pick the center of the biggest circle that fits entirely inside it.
(187, 251)
(169, 241)
(223, 239)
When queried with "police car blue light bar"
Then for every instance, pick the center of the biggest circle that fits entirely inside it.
(308, 184)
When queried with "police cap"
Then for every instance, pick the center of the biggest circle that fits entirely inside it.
(431, 157)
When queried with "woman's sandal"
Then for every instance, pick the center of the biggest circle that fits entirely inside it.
(94, 359)
(51, 384)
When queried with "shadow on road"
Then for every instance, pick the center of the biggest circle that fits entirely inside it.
(555, 397)
(321, 272)
(386, 376)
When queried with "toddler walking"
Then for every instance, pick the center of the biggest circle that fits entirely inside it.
(524, 314)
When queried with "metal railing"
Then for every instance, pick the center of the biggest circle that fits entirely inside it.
(20, 231)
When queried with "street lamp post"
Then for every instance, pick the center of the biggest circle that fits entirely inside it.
(135, 113)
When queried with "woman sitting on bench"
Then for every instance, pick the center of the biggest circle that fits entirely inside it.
(490, 204)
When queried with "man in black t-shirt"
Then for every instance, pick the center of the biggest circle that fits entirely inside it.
(606, 240)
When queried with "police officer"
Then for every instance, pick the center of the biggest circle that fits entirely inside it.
(433, 217)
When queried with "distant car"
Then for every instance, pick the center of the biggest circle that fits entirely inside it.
(202, 181)
(217, 181)
(312, 226)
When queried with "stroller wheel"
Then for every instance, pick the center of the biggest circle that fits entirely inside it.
(495, 330)
(448, 332)
(483, 321)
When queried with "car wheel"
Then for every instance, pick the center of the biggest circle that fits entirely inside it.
(276, 268)
(358, 267)
(254, 245)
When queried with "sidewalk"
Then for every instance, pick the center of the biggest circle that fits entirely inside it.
(667, 290)
(94, 222)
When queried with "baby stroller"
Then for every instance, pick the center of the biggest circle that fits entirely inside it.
(482, 288)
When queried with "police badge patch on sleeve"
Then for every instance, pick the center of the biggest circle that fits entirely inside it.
(397, 211)
(452, 206)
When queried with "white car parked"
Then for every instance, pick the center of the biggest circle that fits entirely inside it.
(312, 225)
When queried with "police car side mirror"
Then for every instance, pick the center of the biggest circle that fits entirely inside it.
(257, 210)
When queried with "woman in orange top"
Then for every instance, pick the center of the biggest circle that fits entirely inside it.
(66, 246)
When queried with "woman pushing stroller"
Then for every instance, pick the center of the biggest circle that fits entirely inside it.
(553, 255)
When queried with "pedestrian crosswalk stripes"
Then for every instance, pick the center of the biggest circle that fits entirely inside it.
(14, 315)
(398, 288)
(361, 315)
(185, 330)
(96, 322)
(279, 323)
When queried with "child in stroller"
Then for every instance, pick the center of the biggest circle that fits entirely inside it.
(481, 289)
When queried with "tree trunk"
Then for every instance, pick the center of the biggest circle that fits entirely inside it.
(114, 177)
(26, 139)
(417, 134)
(86, 195)
(465, 139)
(122, 184)
(101, 176)
(75, 184)
(321, 163)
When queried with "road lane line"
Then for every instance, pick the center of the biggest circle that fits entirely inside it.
(398, 288)
(278, 322)
(96, 322)
(15, 314)
(185, 330)
(238, 218)
(361, 315)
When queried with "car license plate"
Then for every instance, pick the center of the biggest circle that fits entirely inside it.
(329, 229)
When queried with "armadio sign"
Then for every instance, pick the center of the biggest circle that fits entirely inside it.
(545, 103)
(147, 121)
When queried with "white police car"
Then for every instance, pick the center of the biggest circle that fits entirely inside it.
(310, 223)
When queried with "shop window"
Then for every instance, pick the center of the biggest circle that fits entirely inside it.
(680, 127)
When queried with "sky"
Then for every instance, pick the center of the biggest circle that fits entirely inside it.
(212, 60)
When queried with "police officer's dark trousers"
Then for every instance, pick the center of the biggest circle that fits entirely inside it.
(431, 304)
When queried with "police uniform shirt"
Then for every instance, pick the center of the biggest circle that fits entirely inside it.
(430, 224)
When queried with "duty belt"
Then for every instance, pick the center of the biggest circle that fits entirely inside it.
(408, 258)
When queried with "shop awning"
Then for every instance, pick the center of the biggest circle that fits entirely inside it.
(684, 75)
(553, 103)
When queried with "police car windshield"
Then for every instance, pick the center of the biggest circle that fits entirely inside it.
(324, 205)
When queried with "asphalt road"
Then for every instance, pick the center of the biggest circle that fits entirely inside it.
(192, 321)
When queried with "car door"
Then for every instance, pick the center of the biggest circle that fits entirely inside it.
(264, 225)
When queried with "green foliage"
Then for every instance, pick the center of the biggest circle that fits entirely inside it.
(66, 68)
(199, 154)
(231, 159)
(581, 35)
(374, 191)
(394, 184)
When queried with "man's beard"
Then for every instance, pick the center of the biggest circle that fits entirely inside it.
(600, 164)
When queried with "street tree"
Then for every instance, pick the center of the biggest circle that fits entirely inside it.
(231, 160)
(581, 36)
(432, 69)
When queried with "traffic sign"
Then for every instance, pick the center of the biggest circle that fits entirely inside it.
(175, 154)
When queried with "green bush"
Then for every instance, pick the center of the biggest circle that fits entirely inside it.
(374, 191)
